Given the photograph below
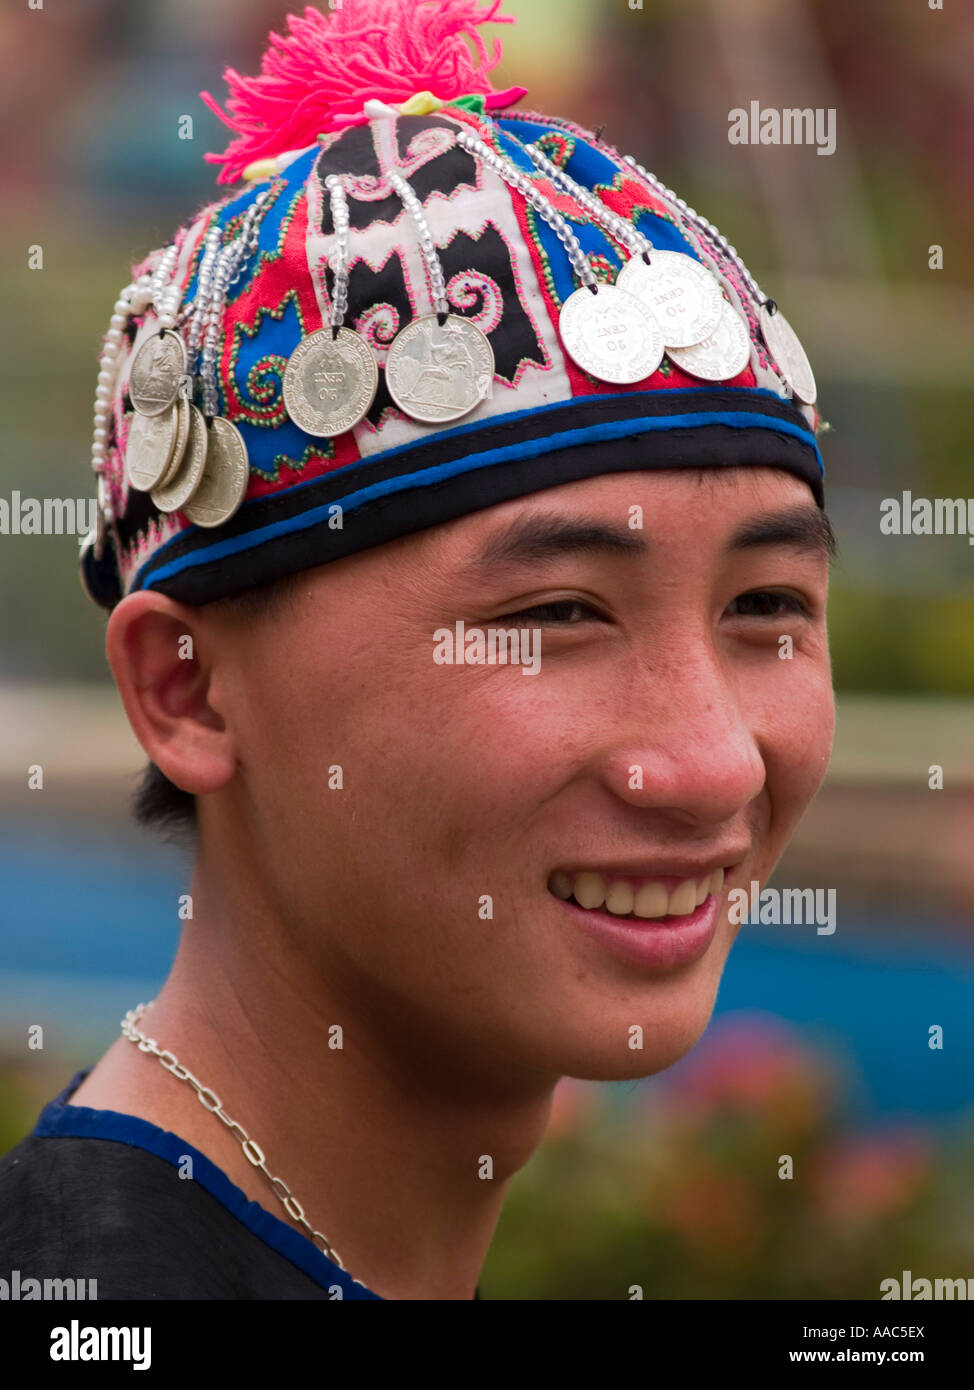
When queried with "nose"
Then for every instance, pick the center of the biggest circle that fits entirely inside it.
(689, 745)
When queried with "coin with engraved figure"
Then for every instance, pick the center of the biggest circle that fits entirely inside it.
(225, 476)
(329, 382)
(721, 356)
(788, 353)
(611, 334)
(170, 495)
(439, 372)
(684, 296)
(159, 365)
(150, 446)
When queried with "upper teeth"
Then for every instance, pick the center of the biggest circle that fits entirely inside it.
(651, 898)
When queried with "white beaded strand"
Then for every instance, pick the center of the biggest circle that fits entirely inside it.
(339, 257)
(708, 228)
(153, 289)
(635, 242)
(222, 273)
(163, 273)
(512, 175)
(204, 288)
(108, 367)
(765, 302)
(227, 269)
(249, 236)
(435, 271)
(164, 292)
(168, 305)
(134, 294)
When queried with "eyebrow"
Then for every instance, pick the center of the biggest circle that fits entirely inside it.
(801, 528)
(534, 539)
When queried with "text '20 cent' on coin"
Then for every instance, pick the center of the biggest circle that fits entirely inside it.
(159, 365)
(721, 356)
(437, 372)
(611, 334)
(683, 296)
(329, 382)
(787, 351)
(150, 446)
(170, 496)
(225, 476)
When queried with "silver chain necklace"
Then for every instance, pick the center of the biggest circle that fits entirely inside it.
(253, 1152)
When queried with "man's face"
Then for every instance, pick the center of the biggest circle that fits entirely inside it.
(667, 733)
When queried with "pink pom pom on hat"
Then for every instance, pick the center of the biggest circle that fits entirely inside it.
(420, 303)
(317, 79)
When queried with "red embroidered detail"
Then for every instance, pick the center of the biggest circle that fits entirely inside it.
(604, 269)
(324, 456)
(281, 280)
(314, 453)
(558, 148)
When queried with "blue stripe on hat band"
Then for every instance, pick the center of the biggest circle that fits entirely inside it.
(511, 420)
(615, 429)
(469, 427)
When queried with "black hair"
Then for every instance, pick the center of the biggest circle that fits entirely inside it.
(159, 804)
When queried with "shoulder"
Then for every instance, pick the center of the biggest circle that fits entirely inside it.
(87, 1208)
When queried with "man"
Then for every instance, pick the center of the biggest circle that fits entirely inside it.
(423, 890)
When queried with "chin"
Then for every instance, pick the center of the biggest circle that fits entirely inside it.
(671, 1026)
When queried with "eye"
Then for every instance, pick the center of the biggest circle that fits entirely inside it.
(561, 613)
(768, 603)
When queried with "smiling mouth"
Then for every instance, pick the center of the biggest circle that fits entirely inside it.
(647, 899)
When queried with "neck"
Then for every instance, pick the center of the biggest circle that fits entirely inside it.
(397, 1142)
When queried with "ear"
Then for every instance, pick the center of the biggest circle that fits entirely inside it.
(165, 676)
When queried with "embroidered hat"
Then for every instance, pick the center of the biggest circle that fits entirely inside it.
(419, 303)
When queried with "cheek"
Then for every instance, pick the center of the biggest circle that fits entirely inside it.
(798, 725)
(472, 748)
(294, 723)
(436, 761)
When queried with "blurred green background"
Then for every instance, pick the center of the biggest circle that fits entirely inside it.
(817, 1050)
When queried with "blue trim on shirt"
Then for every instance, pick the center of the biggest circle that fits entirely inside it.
(528, 448)
(59, 1118)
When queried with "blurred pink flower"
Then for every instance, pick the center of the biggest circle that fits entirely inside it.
(873, 1175)
(751, 1062)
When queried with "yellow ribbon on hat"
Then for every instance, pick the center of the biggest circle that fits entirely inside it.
(420, 104)
(260, 169)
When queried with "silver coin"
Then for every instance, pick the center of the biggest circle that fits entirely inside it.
(439, 373)
(159, 365)
(612, 335)
(721, 356)
(173, 493)
(683, 295)
(183, 421)
(788, 353)
(150, 447)
(330, 383)
(225, 476)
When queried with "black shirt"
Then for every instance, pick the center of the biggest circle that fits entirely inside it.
(97, 1195)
